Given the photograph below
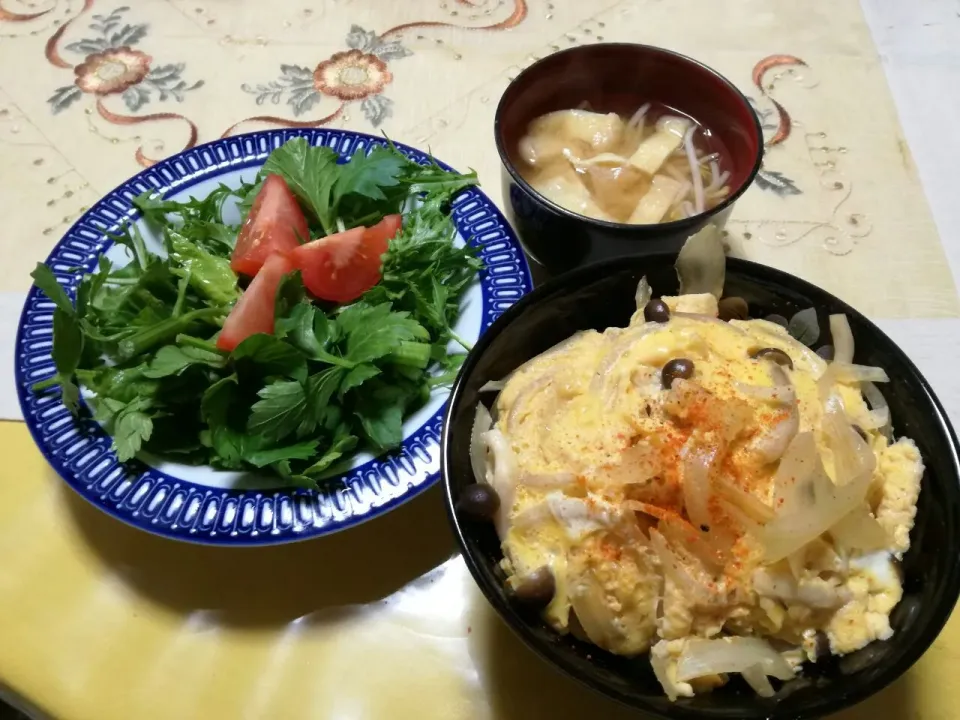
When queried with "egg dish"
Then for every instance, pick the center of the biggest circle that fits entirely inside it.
(709, 492)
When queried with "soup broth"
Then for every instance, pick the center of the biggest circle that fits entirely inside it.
(657, 165)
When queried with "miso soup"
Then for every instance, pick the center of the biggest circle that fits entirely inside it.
(657, 165)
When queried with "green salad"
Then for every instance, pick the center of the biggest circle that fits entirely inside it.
(285, 343)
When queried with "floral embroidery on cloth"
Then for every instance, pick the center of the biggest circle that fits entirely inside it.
(111, 66)
(359, 73)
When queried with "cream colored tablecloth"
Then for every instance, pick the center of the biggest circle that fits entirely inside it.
(98, 621)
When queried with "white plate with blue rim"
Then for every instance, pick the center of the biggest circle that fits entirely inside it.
(197, 503)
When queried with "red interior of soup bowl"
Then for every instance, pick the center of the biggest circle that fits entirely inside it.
(620, 77)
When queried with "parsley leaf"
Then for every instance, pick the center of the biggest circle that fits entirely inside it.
(375, 331)
(282, 410)
(341, 446)
(44, 279)
(67, 349)
(132, 426)
(368, 174)
(300, 451)
(216, 402)
(380, 409)
(320, 389)
(231, 446)
(171, 360)
(383, 425)
(271, 356)
(308, 329)
(357, 376)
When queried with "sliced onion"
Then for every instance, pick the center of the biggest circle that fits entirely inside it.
(842, 339)
(596, 618)
(816, 504)
(797, 463)
(621, 346)
(859, 530)
(829, 398)
(776, 394)
(754, 508)
(771, 445)
(532, 516)
(781, 392)
(747, 524)
(812, 592)
(818, 593)
(852, 455)
(578, 518)
(493, 386)
(756, 678)
(846, 372)
(482, 422)
(709, 548)
(729, 655)
(661, 669)
(647, 509)
(876, 420)
(879, 410)
(523, 398)
(503, 478)
(697, 463)
(677, 571)
(644, 293)
(873, 395)
(772, 584)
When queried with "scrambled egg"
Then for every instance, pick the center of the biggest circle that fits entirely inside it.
(734, 500)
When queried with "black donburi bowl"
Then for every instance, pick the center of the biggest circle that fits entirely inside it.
(601, 296)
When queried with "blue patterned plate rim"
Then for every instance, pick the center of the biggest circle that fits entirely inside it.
(159, 503)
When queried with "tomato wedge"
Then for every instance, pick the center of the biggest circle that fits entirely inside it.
(384, 231)
(342, 267)
(254, 311)
(275, 224)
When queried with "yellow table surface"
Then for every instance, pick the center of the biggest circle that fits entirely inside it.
(99, 621)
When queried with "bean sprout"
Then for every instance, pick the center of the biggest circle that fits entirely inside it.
(636, 121)
(694, 170)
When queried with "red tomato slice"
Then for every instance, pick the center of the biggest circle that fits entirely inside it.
(384, 231)
(342, 267)
(275, 224)
(254, 311)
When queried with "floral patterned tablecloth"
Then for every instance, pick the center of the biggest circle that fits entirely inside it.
(98, 621)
